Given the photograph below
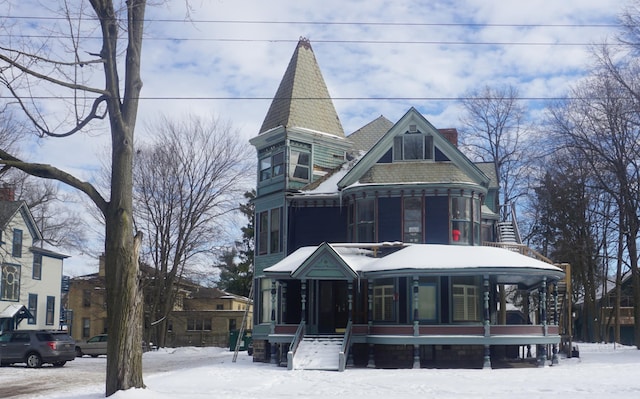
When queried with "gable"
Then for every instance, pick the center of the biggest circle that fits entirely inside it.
(324, 264)
(413, 146)
(9, 210)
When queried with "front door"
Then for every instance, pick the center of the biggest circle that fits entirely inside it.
(333, 306)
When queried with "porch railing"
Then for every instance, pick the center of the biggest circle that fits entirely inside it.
(294, 344)
(344, 351)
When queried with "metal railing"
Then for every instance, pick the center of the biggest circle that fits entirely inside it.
(294, 344)
(344, 351)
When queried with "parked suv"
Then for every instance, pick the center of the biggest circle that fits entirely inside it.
(35, 347)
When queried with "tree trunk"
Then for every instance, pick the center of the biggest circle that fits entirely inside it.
(124, 362)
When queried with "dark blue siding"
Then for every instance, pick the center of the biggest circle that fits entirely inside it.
(315, 225)
(439, 156)
(386, 158)
(437, 220)
(389, 219)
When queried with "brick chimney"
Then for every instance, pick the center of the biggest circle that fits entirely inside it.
(450, 134)
(7, 192)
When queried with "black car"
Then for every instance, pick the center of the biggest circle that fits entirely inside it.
(36, 347)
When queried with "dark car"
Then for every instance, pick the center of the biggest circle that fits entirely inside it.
(36, 347)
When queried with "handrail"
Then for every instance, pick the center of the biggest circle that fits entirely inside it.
(294, 344)
(344, 351)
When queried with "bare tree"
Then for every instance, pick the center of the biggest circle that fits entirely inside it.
(24, 70)
(493, 126)
(600, 125)
(185, 182)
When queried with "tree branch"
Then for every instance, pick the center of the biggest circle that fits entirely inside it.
(49, 172)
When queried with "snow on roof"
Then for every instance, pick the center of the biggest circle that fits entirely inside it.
(434, 256)
(419, 257)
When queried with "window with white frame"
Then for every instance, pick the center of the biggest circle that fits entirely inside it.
(10, 284)
(265, 291)
(384, 300)
(412, 146)
(299, 161)
(466, 300)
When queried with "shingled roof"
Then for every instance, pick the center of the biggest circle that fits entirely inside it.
(302, 99)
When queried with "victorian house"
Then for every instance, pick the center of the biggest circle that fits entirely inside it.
(31, 280)
(385, 247)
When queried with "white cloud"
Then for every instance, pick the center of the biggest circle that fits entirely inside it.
(213, 62)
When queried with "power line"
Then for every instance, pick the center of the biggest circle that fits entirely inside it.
(335, 41)
(347, 23)
(207, 98)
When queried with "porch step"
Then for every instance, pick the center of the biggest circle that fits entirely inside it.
(318, 352)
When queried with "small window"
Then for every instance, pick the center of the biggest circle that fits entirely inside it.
(17, 243)
(51, 307)
(33, 308)
(86, 298)
(232, 324)
(272, 166)
(299, 168)
(86, 327)
(37, 266)
(219, 306)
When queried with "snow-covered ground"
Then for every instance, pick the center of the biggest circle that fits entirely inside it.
(602, 371)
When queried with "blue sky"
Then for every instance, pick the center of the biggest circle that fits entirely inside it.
(217, 51)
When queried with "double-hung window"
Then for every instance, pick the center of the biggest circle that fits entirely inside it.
(271, 162)
(270, 231)
(460, 220)
(37, 266)
(365, 219)
(51, 309)
(33, 308)
(428, 299)
(17, 243)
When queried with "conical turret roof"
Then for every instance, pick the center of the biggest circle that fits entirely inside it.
(302, 99)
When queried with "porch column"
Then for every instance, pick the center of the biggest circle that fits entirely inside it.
(372, 361)
(283, 304)
(273, 306)
(274, 347)
(350, 362)
(303, 296)
(416, 321)
(554, 357)
(542, 356)
(487, 324)
(527, 318)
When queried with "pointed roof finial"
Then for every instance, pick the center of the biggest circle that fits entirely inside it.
(302, 99)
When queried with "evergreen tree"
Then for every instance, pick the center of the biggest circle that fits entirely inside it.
(236, 263)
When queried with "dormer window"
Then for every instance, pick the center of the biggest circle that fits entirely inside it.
(412, 146)
(299, 161)
(271, 162)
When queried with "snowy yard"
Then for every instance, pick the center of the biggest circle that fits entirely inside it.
(601, 371)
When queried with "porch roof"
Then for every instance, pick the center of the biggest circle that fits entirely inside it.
(506, 266)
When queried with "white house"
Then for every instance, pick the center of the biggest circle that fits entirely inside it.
(30, 284)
